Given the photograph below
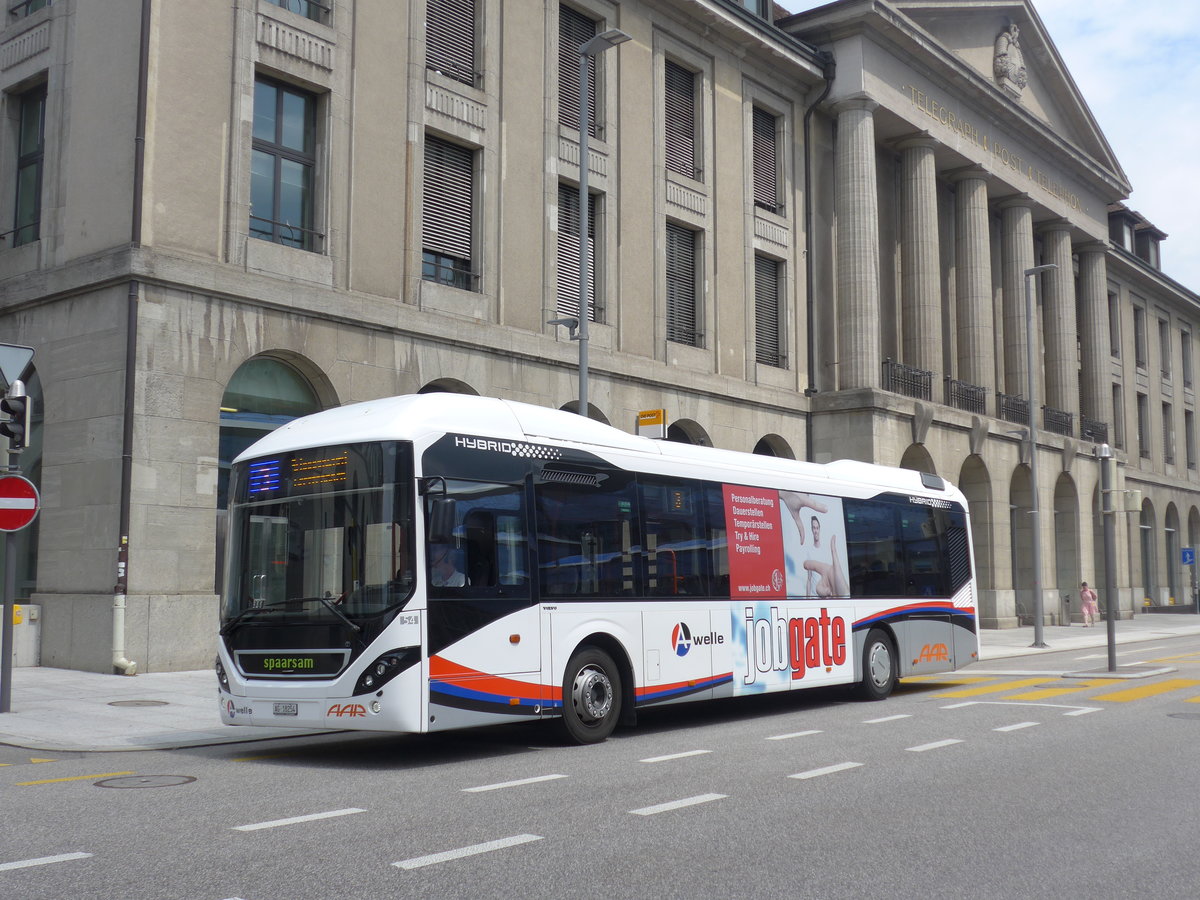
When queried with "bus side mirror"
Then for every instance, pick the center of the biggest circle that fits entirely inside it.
(443, 515)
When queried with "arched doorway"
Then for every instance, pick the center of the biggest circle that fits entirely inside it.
(1171, 541)
(448, 386)
(264, 393)
(976, 483)
(917, 458)
(1147, 545)
(685, 431)
(1020, 505)
(572, 406)
(773, 445)
(1067, 564)
(1193, 571)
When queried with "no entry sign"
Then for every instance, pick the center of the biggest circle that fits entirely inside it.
(18, 502)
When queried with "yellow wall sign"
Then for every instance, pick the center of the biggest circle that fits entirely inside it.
(652, 423)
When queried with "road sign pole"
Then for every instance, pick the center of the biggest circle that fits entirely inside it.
(6, 630)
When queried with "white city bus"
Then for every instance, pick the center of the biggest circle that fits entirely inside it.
(441, 561)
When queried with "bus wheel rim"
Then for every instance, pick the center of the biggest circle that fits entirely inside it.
(592, 694)
(881, 664)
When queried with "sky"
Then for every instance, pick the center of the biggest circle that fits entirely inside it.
(1137, 65)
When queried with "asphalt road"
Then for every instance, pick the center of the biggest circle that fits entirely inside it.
(993, 783)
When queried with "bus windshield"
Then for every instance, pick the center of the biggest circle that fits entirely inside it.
(320, 536)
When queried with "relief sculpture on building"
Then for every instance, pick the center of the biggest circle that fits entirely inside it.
(1008, 64)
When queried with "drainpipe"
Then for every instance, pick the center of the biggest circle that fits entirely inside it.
(122, 665)
(829, 70)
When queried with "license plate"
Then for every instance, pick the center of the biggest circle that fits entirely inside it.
(286, 709)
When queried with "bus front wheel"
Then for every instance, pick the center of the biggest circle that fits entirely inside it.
(591, 696)
(878, 667)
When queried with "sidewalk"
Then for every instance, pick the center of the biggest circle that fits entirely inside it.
(64, 710)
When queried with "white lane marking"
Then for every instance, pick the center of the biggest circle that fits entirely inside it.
(507, 784)
(1075, 710)
(296, 819)
(677, 804)
(1121, 652)
(827, 770)
(794, 734)
(42, 861)
(1017, 727)
(887, 719)
(934, 746)
(654, 759)
(434, 858)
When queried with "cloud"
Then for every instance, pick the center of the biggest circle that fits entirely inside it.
(1137, 65)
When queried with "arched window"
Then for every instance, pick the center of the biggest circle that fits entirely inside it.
(262, 395)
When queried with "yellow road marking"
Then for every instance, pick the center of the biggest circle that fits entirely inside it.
(265, 756)
(997, 688)
(1191, 657)
(1047, 693)
(72, 778)
(1147, 690)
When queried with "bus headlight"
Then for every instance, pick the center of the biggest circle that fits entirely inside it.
(222, 678)
(385, 668)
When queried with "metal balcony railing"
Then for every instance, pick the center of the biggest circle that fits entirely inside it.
(962, 395)
(1058, 421)
(1012, 409)
(908, 380)
(1093, 430)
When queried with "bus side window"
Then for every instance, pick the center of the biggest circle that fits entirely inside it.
(675, 558)
(485, 541)
(588, 538)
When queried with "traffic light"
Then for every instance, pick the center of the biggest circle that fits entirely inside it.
(16, 427)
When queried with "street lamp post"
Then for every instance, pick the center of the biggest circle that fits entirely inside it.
(1034, 511)
(1108, 509)
(590, 49)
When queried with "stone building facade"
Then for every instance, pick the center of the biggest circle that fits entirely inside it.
(809, 237)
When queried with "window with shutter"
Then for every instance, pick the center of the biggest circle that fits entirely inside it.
(448, 234)
(568, 252)
(766, 161)
(679, 114)
(681, 285)
(450, 39)
(574, 30)
(767, 347)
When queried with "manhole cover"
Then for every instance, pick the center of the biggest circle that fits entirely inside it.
(138, 703)
(1183, 715)
(145, 781)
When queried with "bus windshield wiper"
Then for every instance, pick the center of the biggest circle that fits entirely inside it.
(337, 612)
(325, 601)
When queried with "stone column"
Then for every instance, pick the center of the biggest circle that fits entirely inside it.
(973, 283)
(1016, 253)
(1095, 343)
(1060, 359)
(857, 210)
(920, 267)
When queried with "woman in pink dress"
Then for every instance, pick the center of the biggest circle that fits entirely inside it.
(1087, 597)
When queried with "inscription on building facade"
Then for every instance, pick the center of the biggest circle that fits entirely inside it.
(1001, 153)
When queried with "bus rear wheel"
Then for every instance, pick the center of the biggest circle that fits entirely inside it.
(591, 696)
(878, 667)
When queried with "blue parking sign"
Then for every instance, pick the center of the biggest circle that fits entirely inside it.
(1188, 556)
